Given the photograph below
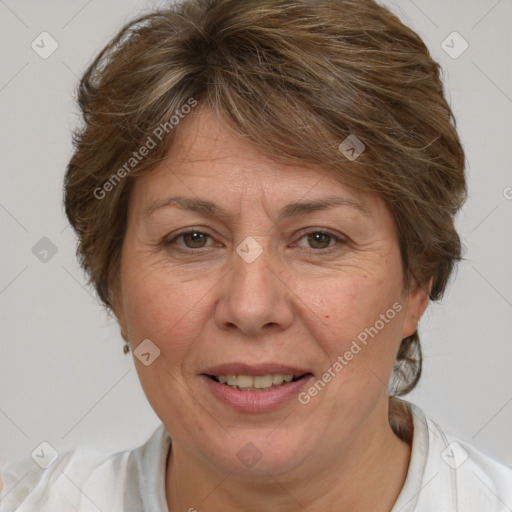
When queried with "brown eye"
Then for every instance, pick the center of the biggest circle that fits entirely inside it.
(190, 242)
(194, 239)
(319, 240)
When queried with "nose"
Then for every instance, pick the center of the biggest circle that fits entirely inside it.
(254, 298)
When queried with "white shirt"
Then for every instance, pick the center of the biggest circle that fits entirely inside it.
(445, 475)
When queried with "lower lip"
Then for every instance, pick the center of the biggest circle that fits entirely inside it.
(256, 401)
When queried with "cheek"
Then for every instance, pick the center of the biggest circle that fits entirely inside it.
(164, 309)
(358, 306)
(356, 322)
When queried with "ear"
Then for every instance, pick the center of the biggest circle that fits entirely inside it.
(416, 304)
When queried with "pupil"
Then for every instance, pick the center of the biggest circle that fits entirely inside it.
(317, 239)
(195, 239)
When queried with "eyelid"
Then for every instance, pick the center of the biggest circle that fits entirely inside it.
(326, 231)
(340, 239)
(170, 239)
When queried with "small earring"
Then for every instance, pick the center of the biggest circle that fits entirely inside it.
(126, 348)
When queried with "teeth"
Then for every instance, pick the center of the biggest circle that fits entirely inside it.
(277, 379)
(261, 381)
(245, 381)
(250, 383)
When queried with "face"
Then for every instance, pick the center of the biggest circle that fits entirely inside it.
(240, 268)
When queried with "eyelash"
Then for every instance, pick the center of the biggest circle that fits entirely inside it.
(339, 241)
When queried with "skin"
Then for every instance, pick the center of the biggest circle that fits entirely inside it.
(301, 302)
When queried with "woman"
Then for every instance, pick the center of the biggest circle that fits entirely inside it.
(264, 195)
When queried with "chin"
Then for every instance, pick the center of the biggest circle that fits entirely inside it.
(256, 453)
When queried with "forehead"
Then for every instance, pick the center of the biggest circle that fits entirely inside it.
(206, 156)
(205, 142)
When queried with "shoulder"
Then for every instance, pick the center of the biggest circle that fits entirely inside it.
(457, 476)
(78, 480)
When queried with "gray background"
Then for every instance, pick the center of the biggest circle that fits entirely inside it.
(63, 376)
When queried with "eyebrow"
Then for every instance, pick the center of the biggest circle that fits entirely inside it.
(210, 209)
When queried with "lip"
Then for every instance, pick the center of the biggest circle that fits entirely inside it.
(255, 401)
(254, 370)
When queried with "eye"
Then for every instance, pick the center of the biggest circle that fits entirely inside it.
(191, 239)
(195, 239)
(320, 239)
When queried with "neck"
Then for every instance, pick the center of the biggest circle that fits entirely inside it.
(368, 475)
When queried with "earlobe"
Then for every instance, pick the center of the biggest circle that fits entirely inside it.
(416, 304)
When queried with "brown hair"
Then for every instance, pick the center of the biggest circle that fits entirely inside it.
(295, 78)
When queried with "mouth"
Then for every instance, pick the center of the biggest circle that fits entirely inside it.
(255, 388)
(256, 382)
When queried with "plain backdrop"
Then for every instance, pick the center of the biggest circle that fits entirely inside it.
(63, 376)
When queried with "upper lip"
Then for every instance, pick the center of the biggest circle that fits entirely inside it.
(254, 369)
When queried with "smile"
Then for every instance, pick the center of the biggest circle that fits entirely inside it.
(255, 388)
(255, 383)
